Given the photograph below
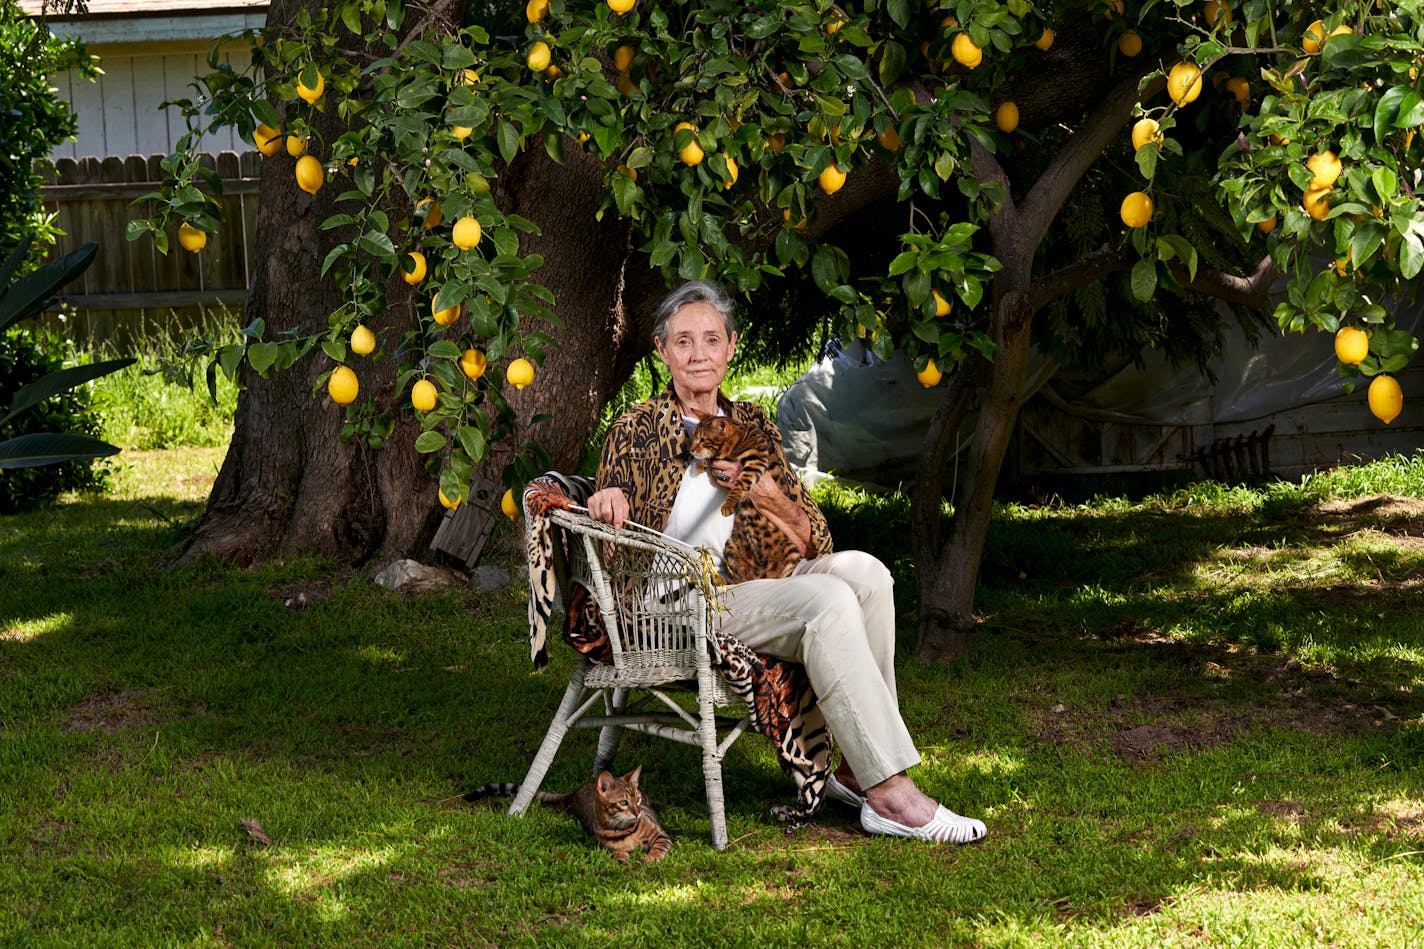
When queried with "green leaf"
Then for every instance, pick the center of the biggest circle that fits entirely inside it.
(260, 357)
(443, 349)
(1144, 279)
(472, 440)
(427, 442)
(892, 62)
(1387, 109)
(32, 293)
(51, 448)
(1411, 257)
(508, 141)
(901, 11)
(61, 381)
(1147, 160)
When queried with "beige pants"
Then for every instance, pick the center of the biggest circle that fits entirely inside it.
(836, 616)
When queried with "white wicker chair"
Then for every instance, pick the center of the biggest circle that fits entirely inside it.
(659, 626)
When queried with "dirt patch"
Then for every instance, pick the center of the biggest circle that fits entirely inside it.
(1374, 509)
(1286, 695)
(112, 712)
(299, 596)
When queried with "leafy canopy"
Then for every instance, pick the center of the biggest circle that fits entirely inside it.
(723, 129)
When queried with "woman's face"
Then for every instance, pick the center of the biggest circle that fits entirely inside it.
(697, 350)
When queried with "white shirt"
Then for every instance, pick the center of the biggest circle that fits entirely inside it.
(696, 518)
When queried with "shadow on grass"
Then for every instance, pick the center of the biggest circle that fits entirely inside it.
(1129, 732)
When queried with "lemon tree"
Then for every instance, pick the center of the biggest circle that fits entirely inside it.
(852, 156)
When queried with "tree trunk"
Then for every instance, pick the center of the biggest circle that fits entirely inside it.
(289, 482)
(947, 583)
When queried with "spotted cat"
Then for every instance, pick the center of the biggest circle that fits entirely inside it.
(757, 549)
(612, 809)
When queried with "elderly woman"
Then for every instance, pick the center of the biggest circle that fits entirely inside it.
(835, 614)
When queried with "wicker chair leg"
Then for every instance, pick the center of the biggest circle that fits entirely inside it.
(610, 735)
(549, 747)
(712, 766)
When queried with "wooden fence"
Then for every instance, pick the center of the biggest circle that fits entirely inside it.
(130, 284)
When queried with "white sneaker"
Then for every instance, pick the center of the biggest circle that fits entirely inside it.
(835, 791)
(946, 827)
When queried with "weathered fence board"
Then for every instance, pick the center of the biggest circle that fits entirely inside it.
(130, 282)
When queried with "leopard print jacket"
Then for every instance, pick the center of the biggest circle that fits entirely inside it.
(648, 450)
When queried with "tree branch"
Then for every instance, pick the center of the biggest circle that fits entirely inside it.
(1088, 269)
(1040, 206)
(1252, 290)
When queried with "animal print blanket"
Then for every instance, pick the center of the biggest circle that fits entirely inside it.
(779, 698)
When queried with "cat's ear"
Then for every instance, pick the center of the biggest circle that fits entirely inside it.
(607, 783)
(632, 776)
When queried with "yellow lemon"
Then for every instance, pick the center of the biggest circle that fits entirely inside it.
(1045, 38)
(509, 506)
(296, 145)
(461, 132)
(535, 10)
(1007, 117)
(630, 173)
(267, 139)
(733, 172)
(1352, 345)
(311, 93)
(1112, 8)
(444, 317)
(623, 58)
(342, 385)
(422, 395)
(1129, 43)
(1136, 209)
(310, 175)
(942, 306)
(466, 233)
(1316, 202)
(799, 226)
(1217, 11)
(416, 273)
(1184, 83)
(191, 238)
(1386, 398)
(520, 373)
(1340, 30)
(692, 154)
(930, 375)
(539, 56)
(363, 341)
(1239, 88)
(1313, 38)
(433, 214)
(621, 6)
(965, 51)
(832, 178)
(1266, 226)
(889, 139)
(553, 72)
(1144, 131)
(626, 85)
(1326, 167)
(444, 501)
(834, 26)
(472, 364)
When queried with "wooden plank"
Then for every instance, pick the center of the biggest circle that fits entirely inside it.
(168, 268)
(224, 248)
(463, 532)
(155, 128)
(141, 253)
(156, 299)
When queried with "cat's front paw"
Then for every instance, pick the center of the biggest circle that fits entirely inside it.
(729, 507)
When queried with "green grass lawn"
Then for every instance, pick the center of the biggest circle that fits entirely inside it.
(1194, 720)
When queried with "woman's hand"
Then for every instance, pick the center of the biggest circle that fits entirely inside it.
(609, 506)
(775, 506)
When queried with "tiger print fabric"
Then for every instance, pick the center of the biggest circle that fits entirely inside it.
(778, 694)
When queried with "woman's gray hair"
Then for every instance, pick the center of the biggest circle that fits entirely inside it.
(694, 291)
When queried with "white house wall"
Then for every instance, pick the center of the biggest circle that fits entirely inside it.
(119, 113)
